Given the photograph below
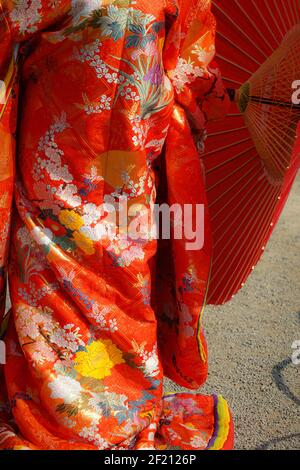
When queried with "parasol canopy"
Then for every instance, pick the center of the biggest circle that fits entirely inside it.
(249, 162)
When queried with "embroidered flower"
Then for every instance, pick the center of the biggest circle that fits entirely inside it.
(152, 365)
(70, 219)
(197, 442)
(23, 236)
(82, 9)
(65, 388)
(154, 75)
(68, 194)
(98, 359)
(26, 14)
(84, 243)
(114, 24)
(124, 253)
(42, 352)
(204, 56)
(43, 236)
(185, 73)
(104, 102)
(149, 50)
(92, 213)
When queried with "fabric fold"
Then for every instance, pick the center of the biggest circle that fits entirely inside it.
(98, 318)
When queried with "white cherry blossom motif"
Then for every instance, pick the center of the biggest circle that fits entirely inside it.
(92, 213)
(124, 252)
(204, 55)
(69, 194)
(149, 359)
(65, 388)
(185, 73)
(91, 433)
(49, 165)
(102, 316)
(197, 442)
(26, 15)
(103, 104)
(52, 164)
(43, 236)
(93, 176)
(152, 365)
(101, 231)
(43, 338)
(81, 9)
(24, 237)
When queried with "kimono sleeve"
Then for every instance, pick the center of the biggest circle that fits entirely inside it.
(189, 60)
(19, 20)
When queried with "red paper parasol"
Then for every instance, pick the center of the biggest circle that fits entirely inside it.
(249, 161)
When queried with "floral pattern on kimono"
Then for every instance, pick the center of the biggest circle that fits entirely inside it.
(106, 85)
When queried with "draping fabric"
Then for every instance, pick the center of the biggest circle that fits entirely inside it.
(112, 99)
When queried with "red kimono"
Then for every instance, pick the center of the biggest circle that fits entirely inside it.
(112, 99)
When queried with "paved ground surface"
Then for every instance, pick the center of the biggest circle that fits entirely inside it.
(250, 344)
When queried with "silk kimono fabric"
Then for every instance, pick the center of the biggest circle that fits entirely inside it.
(104, 101)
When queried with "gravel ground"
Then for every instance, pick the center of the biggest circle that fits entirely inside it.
(250, 342)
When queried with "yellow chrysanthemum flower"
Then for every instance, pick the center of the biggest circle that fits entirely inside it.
(84, 243)
(98, 359)
(70, 219)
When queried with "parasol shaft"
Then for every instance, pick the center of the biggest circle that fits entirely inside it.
(282, 104)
